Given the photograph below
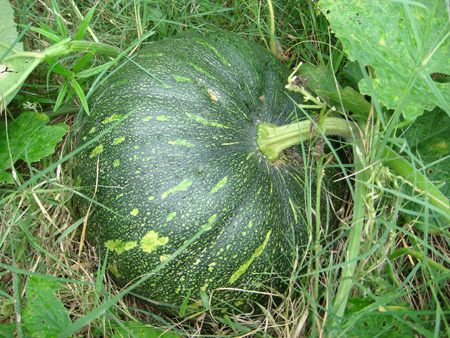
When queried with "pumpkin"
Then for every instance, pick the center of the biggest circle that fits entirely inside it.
(182, 195)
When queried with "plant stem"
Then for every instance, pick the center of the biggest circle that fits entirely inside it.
(272, 139)
(347, 279)
(418, 255)
(93, 47)
(65, 110)
(273, 47)
(65, 47)
(417, 180)
(61, 48)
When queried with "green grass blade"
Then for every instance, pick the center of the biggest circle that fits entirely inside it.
(61, 95)
(85, 23)
(81, 95)
(46, 31)
(58, 19)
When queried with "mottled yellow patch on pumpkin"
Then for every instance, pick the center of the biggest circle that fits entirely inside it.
(151, 241)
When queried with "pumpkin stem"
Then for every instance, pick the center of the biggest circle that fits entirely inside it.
(272, 139)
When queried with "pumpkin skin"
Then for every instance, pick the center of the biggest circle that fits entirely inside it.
(182, 159)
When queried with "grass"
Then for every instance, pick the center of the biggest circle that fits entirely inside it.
(41, 232)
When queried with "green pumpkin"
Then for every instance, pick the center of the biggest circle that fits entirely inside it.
(179, 167)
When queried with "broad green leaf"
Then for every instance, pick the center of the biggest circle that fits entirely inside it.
(142, 331)
(44, 315)
(372, 322)
(406, 43)
(11, 70)
(429, 140)
(7, 330)
(8, 32)
(28, 139)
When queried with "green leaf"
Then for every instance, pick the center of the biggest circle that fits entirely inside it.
(141, 331)
(13, 73)
(58, 19)
(375, 322)
(29, 140)
(10, 70)
(61, 95)
(321, 81)
(405, 42)
(45, 315)
(85, 24)
(57, 68)
(47, 32)
(428, 138)
(95, 70)
(7, 330)
(81, 96)
(8, 32)
(82, 62)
